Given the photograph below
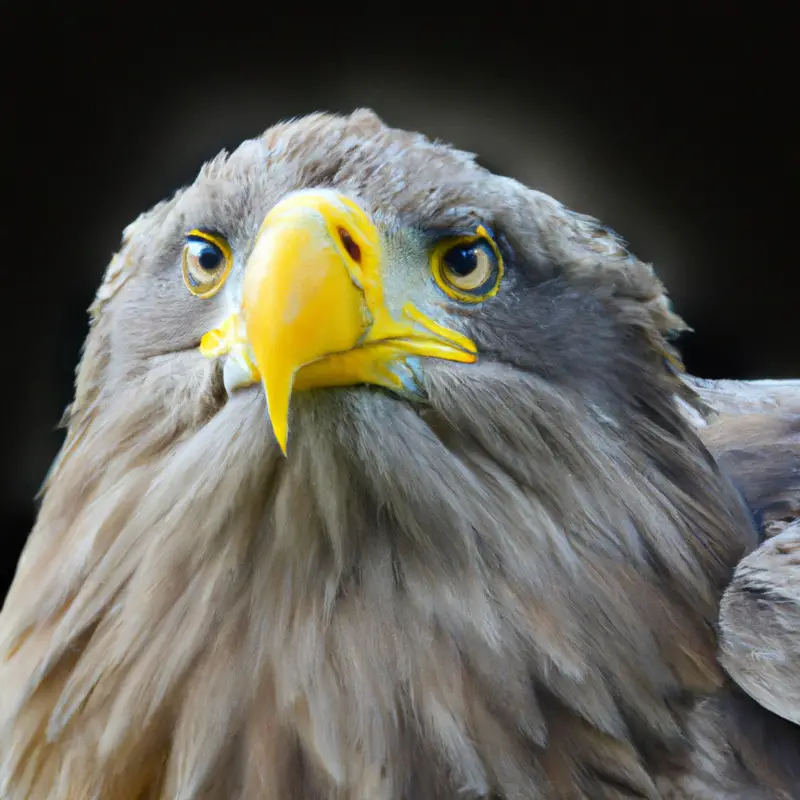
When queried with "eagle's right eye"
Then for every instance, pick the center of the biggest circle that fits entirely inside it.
(207, 260)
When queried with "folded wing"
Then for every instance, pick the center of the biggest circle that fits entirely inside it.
(753, 430)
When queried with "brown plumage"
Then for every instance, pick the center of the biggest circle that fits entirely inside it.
(507, 586)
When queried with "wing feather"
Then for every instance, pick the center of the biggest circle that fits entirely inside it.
(753, 430)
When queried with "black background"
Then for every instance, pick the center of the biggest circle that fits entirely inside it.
(673, 127)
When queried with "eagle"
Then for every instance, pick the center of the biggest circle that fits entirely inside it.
(383, 480)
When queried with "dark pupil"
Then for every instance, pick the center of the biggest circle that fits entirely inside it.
(209, 258)
(461, 259)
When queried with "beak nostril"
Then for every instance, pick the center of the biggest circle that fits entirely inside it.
(353, 250)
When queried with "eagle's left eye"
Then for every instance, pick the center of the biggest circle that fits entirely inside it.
(468, 268)
(206, 259)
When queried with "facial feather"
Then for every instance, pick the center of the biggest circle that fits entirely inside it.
(509, 590)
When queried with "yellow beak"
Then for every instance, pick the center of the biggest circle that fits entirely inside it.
(314, 310)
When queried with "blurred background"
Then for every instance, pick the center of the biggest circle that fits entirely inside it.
(673, 127)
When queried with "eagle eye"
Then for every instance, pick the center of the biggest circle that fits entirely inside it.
(206, 261)
(468, 268)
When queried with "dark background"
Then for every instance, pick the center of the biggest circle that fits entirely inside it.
(673, 128)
